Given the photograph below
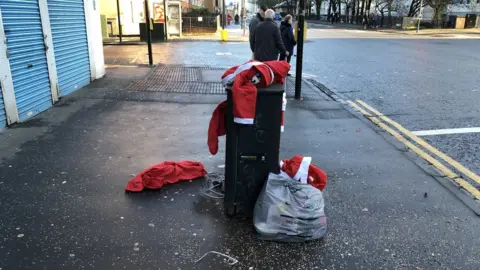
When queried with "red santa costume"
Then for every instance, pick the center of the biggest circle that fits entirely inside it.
(300, 169)
(168, 172)
(244, 80)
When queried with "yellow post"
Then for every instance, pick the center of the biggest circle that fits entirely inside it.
(304, 31)
(224, 35)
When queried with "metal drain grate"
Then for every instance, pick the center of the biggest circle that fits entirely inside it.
(177, 79)
(307, 91)
(176, 73)
(181, 79)
(178, 87)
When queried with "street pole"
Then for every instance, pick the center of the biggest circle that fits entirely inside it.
(223, 14)
(420, 15)
(149, 34)
(165, 18)
(119, 21)
(300, 25)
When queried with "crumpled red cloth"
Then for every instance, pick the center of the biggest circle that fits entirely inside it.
(168, 172)
(217, 128)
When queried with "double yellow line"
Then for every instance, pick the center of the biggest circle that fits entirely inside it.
(377, 117)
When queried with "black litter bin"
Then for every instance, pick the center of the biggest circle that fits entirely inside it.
(252, 151)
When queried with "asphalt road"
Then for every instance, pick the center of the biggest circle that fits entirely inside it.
(424, 83)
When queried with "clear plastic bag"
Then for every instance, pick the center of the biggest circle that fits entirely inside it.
(289, 211)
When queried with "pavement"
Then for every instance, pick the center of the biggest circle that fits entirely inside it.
(433, 33)
(63, 174)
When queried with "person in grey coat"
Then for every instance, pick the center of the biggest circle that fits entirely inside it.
(267, 41)
(254, 23)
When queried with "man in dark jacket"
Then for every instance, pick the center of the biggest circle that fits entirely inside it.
(254, 23)
(288, 38)
(267, 41)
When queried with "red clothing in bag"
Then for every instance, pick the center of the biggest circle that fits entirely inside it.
(167, 172)
(300, 169)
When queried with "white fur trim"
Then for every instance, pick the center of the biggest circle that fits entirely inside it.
(231, 77)
(228, 79)
(255, 79)
(245, 121)
(302, 173)
(271, 73)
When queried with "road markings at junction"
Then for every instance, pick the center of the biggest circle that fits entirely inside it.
(376, 117)
(123, 66)
(446, 131)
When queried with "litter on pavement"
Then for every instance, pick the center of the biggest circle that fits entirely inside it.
(167, 172)
(230, 260)
(290, 207)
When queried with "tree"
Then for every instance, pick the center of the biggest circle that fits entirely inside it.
(363, 9)
(400, 7)
(329, 9)
(382, 6)
(354, 5)
(415, 8)
(318, 6)
(349, 5)
(438, 7)
(358, 12)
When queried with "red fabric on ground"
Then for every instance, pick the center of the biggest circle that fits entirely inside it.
(216, 128)
(167, 172)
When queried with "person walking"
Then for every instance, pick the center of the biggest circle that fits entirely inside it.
(288, 38)
(267, 40)
(253, 25)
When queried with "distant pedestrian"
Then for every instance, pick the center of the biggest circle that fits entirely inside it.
(254, 23)
(374, 20)
(267, 40)
(288, 38)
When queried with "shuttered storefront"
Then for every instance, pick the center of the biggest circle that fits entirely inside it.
(67, 20)
(28, 63)
(3, 116)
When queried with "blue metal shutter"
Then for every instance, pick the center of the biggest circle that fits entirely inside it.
(67, 19)
(3, 116)
(28, 63)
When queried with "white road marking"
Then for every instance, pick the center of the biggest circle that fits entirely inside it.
(306, 75)
(220, 53)
(446, 131)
